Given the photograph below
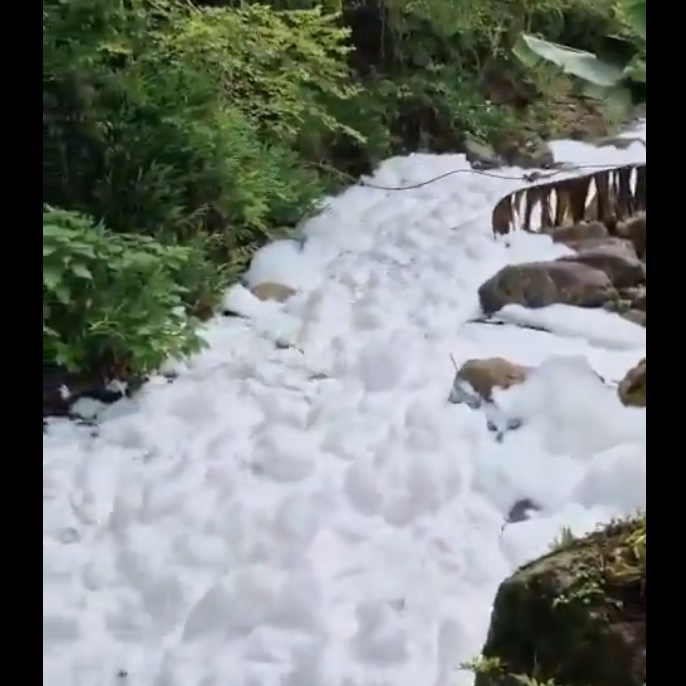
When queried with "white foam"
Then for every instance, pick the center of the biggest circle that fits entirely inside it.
(322, 516)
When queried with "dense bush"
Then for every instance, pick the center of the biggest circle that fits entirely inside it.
(177, 137)
(112, 297)
(160, 116)
(164, 121)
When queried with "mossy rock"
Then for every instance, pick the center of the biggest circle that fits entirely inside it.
(632, 388)
(575, 617)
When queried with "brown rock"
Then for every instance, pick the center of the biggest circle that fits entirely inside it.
(635, 316)
(483, 375)
(620, 245)
(638, 298)
(481, 155)
(577, 233)
(621, 265)
(528, 153)
(619, 305)
(628, 299)
(272, 291)
(635, 230)
(632, 389)
(539, 284)
(635, 296)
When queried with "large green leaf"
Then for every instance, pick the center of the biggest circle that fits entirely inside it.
(585, 65)
(635, 11)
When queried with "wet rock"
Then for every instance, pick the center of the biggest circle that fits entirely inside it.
(635, 230)
(481, 155)
(632, 388)
(521, 511)
(269, 290)
(619, 245)
(619, 305)
(619, 142)
(637, 296)
(631, 304)
(475, 379)
(527, 153)
(62, 389)
(619, 262)
(635, 316)
(502, 425)
(56, 399)
(576, 616)
(576, 233)
(539, 284)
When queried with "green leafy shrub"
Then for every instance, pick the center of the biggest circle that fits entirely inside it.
(172, 126)
(160, 116)
(112, 302)
(433, 70)
(606, 75)
(280, 68)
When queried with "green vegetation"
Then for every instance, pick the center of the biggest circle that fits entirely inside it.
(179, 137)
(605, 75)
(493, 668)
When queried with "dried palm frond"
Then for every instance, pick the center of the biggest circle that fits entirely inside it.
(608, 196)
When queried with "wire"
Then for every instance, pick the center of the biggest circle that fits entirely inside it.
(531, 177)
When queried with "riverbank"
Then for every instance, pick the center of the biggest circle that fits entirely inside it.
(177, 140)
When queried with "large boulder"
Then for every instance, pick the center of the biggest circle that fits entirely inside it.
(583, 245)
(577, 233)
(539, 284)
(635, 230)
(525, 151)
(575, 617)
(481, 155)
(632, 388)
(619, 261)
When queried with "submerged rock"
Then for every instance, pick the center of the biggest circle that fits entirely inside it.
(521, 511)
(476, 379)
(497, 423)
(575, 617)
(269, 290)
(474, 384)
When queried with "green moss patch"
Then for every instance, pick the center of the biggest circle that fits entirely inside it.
(574, 617)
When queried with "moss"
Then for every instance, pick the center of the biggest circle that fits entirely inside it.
(576, 616)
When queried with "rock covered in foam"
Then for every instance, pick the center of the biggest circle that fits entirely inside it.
(476, 379)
